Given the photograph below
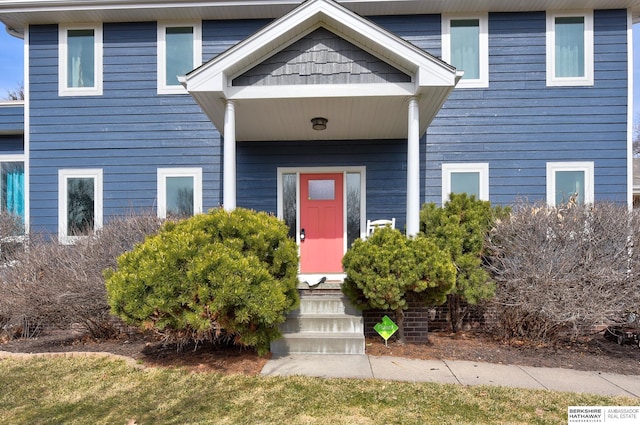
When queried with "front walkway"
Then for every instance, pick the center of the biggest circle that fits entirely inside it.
(454, 372)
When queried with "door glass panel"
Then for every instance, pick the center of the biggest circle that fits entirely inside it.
(322, 190)
(289, 200)
(466, 182)
(353, 207)
(180, 196)
(80, 206)
(569, 184)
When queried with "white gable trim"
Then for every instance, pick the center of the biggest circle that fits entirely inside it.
(424, 68)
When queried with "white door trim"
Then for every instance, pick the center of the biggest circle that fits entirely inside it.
(322, 170)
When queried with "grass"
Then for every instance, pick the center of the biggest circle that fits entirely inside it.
(101, 391)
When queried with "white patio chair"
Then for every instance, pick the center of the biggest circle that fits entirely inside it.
(372, 225)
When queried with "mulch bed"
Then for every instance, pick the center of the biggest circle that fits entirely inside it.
(594, 353)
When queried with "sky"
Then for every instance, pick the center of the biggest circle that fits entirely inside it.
(11, 62)
(12, 70)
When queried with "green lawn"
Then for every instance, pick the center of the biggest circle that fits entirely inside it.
(100, 391)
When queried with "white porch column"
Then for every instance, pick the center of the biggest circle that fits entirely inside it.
(413, 169)
(229, 164)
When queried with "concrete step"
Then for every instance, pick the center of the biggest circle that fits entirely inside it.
(326, 304)
(319, 343)
(328, 285)
(323, 323)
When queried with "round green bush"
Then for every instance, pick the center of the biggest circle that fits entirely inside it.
(220, 274)
(387, 269)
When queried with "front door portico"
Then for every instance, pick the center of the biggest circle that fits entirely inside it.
(323, 61)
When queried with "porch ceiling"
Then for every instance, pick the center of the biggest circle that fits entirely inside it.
(350, 116)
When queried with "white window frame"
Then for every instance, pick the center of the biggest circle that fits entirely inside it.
(163, 173)
(63, 176)
(482, 168)
(588, 78)
(163, 88)
(63, 72)
(587, 167)
(483, 22)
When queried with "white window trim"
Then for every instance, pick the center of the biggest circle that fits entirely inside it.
(163, 173)
(483, 19)
(163, 88)
(63, 90)
(63, 176)
(482, 168)
(588, 78)
(587, 167)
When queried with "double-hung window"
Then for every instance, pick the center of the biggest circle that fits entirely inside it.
(465, 45)
(179, 51)
(179, 192)
(570, 49)
(79, 203)
(80, 60)
(469, 178)
(569, 182)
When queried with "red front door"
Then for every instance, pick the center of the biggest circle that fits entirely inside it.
(321, 223)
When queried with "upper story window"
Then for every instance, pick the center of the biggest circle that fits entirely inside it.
(570, 49)
(469, 178)
(80, 60)
(465, 45)
(79, 204)
(569, 182)
(179, 51)
(179, 192)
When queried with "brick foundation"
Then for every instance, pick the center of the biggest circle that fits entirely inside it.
(419, 320)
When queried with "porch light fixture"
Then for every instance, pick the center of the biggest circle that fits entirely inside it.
(319, 123)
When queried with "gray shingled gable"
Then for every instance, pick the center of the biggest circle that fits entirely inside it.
(321, 57)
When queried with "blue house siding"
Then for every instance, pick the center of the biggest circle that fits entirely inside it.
(11, 144)
(385, 162)
(218, 36)
(129, 132)
(11, 118)
(518, 124)
(424, 31)
(11, 129)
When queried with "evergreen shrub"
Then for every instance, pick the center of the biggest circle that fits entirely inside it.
(387, 269)
(460, 228)
(212, 276)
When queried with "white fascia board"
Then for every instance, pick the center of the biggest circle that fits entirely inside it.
(320, 91)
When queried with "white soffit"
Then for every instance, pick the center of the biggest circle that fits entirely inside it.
(18, 13)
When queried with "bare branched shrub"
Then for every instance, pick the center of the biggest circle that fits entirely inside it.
(562, 271)
(62, 285)
(11, 240)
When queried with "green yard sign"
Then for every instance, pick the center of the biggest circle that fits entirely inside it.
(386, 329)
